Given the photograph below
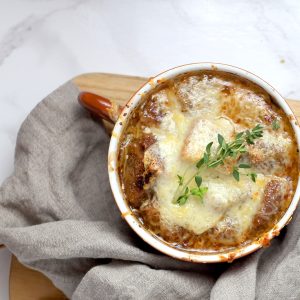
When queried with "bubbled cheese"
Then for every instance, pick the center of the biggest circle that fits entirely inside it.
(194, 119)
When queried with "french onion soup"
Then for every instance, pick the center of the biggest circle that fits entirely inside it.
(207, 162)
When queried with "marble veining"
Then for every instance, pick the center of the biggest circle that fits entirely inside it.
(18, 33)
(44, 43)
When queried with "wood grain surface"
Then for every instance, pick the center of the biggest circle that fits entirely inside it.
(27, 284)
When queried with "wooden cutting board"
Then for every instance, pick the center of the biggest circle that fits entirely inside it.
(27, 284)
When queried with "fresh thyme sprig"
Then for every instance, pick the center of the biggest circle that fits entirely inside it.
(209, 160)
(198, 191)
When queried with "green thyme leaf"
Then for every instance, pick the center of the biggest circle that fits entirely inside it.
(198, 180)
(208, 147)
(220, 139)
(200, 163)
(244, 166)
(231, 153)
(275, 124)
(236, 175)
(186, 190)
(180, 180)
(205, 158)
(182, 200)
(249, 137)
(258, 127)
(239, 135)
(243, 150)
(199, 192)
(253, 176)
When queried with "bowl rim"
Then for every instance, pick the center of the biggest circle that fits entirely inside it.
(125, 210)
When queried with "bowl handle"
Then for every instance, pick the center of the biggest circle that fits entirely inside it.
(100, 107)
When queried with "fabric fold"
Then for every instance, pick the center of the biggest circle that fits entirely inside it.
(58, 216)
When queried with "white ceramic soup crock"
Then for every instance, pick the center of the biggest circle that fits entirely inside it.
(109, 111)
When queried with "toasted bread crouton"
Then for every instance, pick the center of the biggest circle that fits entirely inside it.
(246, 108)
(275, 192)
(152, 160)
(268, 151)
(203, 132)
(195, 93)
(153, 109)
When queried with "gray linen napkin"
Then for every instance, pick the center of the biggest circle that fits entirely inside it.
(58, 216)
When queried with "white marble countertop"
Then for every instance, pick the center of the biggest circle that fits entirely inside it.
(45, 43)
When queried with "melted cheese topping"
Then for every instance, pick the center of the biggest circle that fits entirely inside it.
(168, 133)
(224, 194)
(181, 140)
